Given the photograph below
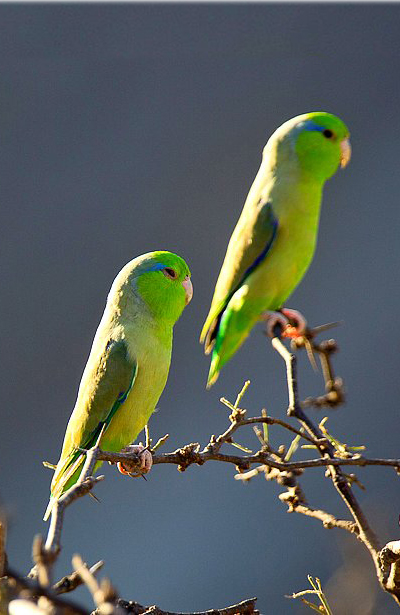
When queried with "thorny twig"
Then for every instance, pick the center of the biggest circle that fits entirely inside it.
(3, 556)
(85, 483)
(246, 607)
(316, 591)
(103, 593)
(275, 465)
(334, 388)
(104, 596)
(48, 553)
(74, 580)
(190, 454)
(107, 602)
(388, 577)
(16, 585)
(389, 560)
(327, 451)
(43, 560)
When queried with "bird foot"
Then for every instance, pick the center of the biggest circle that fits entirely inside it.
(293, 323)
(146, 460)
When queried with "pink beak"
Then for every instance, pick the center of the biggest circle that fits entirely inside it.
(345, 149)
(187, 285)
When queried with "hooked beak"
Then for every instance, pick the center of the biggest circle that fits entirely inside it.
(345, 149)
(187, 285)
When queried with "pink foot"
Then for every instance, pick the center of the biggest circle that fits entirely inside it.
(286, 317)
(146, 460)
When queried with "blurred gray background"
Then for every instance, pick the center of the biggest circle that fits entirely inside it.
(128, 128)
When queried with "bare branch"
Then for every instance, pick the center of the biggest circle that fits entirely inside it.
(106, 600)
(43, 560)
(327, 451)
(334, 389)
(246, 607)
(74, 580)
(275, 465)
(53, 541)
(190, 454)
(291, 375)
(15, 583)
(84, 485)
(104, 595)
(328, 520)
(295, 498)
(389, 560)
(3, 535)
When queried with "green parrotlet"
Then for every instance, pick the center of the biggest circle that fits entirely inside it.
(274, 240)
(128, 364)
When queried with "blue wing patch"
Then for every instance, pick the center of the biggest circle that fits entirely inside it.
(274, 225)
(272, 221)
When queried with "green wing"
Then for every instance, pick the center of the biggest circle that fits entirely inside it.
(250, 243)
(105, 386)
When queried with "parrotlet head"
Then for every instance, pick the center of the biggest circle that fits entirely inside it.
(316, 142)
(160, 280)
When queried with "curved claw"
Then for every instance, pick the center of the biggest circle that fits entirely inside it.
(272, 319)
(146, 460)
(297, 329)
(285, 318)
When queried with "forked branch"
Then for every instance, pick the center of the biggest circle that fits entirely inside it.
(276, 465)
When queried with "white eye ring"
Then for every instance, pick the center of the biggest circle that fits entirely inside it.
(170, 273)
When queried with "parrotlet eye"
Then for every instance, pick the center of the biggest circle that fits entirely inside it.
(327, 133)
(170, 273)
